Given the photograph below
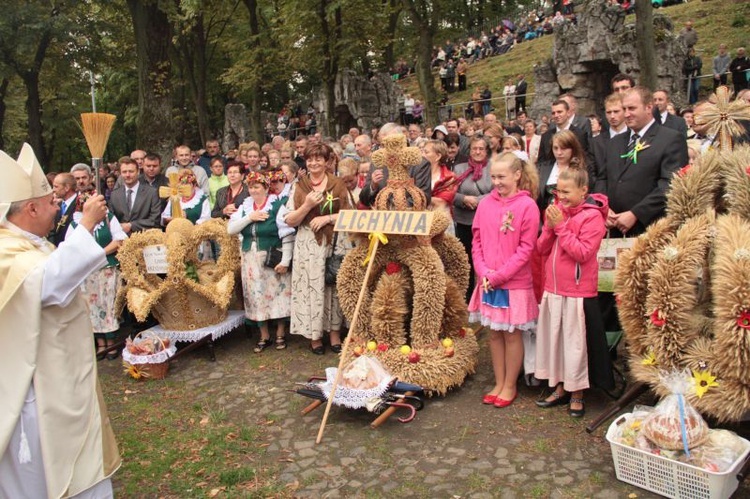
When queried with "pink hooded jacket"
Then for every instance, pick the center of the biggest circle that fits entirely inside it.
(504, 231)
(572, 268)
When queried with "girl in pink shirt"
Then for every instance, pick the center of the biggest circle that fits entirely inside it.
(504, 234)
(573, 230)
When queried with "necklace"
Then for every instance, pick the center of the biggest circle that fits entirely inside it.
(256, 207)
(317, 184)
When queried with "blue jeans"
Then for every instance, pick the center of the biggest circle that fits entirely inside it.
(695, 84)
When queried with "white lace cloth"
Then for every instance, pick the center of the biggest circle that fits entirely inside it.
(501, 326)
(156, 358)
(353, 398)
(234, 319)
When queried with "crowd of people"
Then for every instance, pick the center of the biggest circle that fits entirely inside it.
(282, 198)
(530, 201)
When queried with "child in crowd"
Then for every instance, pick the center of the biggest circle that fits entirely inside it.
(570, 239)
(217, 180)
(504, 234)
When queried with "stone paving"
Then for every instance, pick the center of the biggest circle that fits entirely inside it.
(456, 447)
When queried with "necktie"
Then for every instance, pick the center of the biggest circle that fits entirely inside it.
(129, 200)
(633, 140)
(63, 208)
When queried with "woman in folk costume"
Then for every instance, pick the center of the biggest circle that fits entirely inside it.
(194, 202)
(313, 205)
(55, 435)
(194, 206)
(267, 290)
(100, 288)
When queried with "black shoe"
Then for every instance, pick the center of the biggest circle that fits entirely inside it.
(336, 348)
(262, 344)
(101, 355)
(113, 355)
(576, 413)
(318, 350)
(557, 400)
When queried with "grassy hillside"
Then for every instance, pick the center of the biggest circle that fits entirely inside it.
(716, 21)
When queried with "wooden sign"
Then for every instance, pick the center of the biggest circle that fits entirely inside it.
(412, 223)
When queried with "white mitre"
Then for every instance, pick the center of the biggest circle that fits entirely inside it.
(21, 179)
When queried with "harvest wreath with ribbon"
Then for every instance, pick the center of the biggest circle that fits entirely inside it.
(683, 293)
(415, 313)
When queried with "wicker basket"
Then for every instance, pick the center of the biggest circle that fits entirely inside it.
(144, 367)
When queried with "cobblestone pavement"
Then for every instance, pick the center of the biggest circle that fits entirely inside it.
(456, 447)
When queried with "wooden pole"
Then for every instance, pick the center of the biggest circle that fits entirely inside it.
(355, 318)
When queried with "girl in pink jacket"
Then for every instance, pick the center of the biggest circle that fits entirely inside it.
(570, 239)
(504, 234)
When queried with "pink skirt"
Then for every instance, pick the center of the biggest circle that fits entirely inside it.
(521, 314)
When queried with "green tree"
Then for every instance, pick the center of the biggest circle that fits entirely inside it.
(26, 34)
(198, 27)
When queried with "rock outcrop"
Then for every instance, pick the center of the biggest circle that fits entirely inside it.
(361, 101)
(588, 54)
(236, 126)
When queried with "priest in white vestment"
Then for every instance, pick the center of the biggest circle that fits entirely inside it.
(55, 436)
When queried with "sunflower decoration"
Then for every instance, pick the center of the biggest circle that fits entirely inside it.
(703, 380)
(134, 371)
(649, 359)
(174, 191)
(723, 117)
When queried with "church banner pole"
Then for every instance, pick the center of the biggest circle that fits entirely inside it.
(349, 336)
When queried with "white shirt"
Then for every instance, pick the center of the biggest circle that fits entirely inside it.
(614, 133)
(642, 132)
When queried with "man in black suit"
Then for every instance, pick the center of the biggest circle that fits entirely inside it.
(521, 89)
(561, 120)
(580, 122)
(135, 204)
(151, 174)
(615, 113)
(661, 101)
(64, 187)
(636, 184)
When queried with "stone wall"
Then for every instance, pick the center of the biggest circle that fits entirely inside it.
(588, 54)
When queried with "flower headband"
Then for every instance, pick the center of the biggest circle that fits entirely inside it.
(277, 176)
(256, 178)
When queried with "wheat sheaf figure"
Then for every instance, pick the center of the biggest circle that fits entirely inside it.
(684, 288)
(414, 309)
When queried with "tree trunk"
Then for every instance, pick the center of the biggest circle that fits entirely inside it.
(34, 114)
(256, 124)
(389, 57)
(425, 18)
(3, 92)
(426, 78)
(644, 36)
(194, 55)
(331, 37)
(155, 124)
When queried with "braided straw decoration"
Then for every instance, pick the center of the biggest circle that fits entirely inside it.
(723, 117)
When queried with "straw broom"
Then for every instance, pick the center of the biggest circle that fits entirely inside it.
(96, 129)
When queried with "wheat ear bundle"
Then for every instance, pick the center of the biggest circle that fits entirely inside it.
(96, 129)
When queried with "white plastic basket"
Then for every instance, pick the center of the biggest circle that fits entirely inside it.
(671, 478)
